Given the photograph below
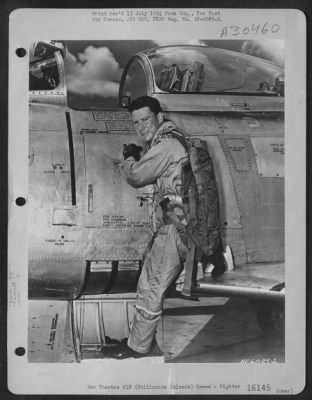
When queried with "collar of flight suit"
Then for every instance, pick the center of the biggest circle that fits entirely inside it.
(166, 127)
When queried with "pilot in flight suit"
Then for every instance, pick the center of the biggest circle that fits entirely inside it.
(161, 165)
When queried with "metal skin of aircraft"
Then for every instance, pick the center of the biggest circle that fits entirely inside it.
(88, 229)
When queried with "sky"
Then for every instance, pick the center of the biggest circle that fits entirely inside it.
(93, 68)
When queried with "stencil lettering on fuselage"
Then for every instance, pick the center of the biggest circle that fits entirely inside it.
(239, 154)
(269, 154)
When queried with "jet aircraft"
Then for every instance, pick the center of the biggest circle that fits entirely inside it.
(88, 229)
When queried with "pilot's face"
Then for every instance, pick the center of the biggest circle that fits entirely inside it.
(146, 123)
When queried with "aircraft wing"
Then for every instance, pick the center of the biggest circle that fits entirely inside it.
(265, 281)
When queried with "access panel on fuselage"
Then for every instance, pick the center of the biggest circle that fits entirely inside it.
(112, 203)
(117, 225)
(257, 168)
(55, 234)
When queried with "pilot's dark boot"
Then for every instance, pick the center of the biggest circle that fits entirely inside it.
(219, 269)
(219, 262)
(123, 351)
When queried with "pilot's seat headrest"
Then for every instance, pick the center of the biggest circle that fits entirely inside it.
(169, 78)
(173, 79)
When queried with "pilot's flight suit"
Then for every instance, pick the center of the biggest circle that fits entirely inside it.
(162, 166)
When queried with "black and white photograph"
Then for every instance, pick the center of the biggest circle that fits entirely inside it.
(154, 195)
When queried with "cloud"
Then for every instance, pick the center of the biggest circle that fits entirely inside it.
(93, 72)
(175, 42)
(272, 50)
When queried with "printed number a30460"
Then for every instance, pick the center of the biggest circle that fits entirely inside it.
(256, 29)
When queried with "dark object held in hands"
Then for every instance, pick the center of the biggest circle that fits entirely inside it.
(132, 150)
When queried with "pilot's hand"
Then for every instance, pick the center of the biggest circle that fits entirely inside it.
(132, 150)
